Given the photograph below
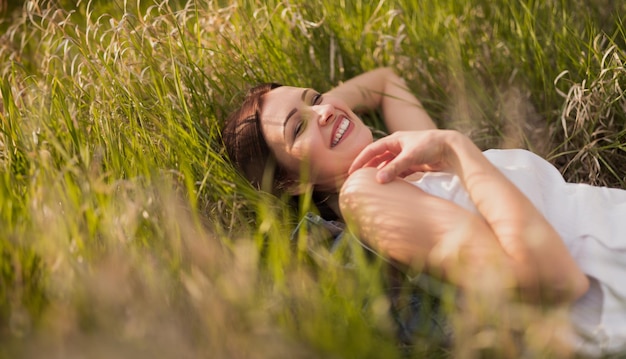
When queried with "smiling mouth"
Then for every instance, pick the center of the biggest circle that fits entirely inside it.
(341, 130)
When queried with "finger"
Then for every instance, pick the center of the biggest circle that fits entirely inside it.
(407, 173)
(400, 166)
(376, 162)
(371, 152)
(382, 164)
(380, 161)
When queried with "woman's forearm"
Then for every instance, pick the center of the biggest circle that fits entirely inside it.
(541, 263)
(541, 259)
(383, 89)
(402, 111)
(422, 231)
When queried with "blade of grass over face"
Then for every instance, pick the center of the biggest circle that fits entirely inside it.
(125, 231)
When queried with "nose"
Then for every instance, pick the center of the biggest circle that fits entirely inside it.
(325, 113)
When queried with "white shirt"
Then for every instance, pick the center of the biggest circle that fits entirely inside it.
(592, 223)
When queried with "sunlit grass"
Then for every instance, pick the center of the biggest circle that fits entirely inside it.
(125, 232)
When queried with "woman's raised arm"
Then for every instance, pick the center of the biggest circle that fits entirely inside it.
(541, 263)
(383, 88)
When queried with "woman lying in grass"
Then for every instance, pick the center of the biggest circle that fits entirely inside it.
(431, 200)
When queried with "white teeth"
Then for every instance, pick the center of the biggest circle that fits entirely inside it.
(340, 131)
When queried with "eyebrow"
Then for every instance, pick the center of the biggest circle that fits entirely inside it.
(291, 113)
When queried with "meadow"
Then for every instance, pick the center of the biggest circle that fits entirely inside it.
(125, 232)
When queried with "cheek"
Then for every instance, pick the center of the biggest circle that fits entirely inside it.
(306, 150)
(310, 148)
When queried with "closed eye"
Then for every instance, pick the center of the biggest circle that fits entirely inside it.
(316, 99)
(300, 126)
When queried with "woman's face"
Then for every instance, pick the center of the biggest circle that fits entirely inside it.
(315, 137)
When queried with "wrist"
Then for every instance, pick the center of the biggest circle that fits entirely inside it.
(455, 146)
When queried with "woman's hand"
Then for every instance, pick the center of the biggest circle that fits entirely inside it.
(404, 153)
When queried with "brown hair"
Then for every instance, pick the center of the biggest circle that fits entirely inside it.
(246, 145)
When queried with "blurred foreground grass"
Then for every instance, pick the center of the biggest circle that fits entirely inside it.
(124, 232)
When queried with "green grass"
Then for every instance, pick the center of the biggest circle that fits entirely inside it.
(125, 232)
